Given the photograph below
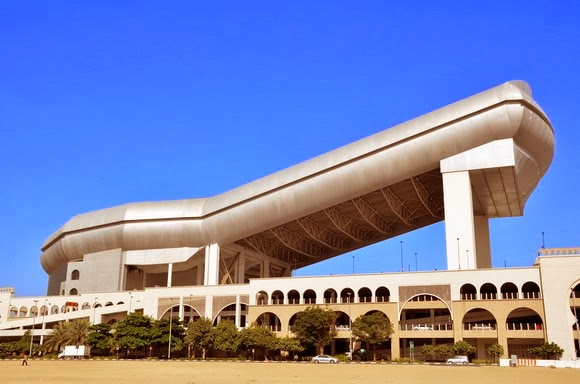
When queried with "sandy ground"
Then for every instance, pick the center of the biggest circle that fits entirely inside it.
(142, 372)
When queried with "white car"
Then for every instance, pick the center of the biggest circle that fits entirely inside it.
(458, 360)
(324, 359)
(422, 328)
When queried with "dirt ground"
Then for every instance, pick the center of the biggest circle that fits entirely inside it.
(182, 372)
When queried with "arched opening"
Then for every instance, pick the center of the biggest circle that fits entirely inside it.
(54, 310)
(342, 322)
(330, 296)
(86, 306)
(292, 320)
(509, 291)
(190, 314)
(269, 321)
(431, 317)
(365, 295)
(479, 319)
(575, 308)
(43, 310)
(382, 295)
(229, 313)
(347, 296)
(468, 292)
(34, 311)
(73, 292)
(277, 298)
(309, 296)
(108, 304)
(524, 319)
(262, 298)
(171, 312)
(23, 312)
(293, 297)
(531, 290)
(13, 312)
(488, 291)
(75, 275)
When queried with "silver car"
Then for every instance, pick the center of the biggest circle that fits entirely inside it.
(324, 359)
(458, 360)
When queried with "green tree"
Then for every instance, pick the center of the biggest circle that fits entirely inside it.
(133, 332)
(78, 331)
(496, 350)
(373, 329)
(315, 326)
(58, 338)
(199, 335)
(443, 351)
(289, 344)
(226, 337)
(13, 348)
(547, 351)
(100, 336)
(260, 338)
(462, 347)
(160, 334)
(428, 351)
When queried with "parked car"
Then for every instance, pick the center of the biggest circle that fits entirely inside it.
(422, 328)
(324, 359)
(458, 360)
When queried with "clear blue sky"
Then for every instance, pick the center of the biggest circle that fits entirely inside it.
(108, 102)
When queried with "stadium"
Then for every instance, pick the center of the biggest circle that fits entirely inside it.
(232, 256)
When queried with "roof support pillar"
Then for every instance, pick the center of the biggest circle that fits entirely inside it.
(169, 274)
(459, 221)
(212, 262)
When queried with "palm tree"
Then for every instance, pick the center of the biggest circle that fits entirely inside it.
(78, 331)
(74, 332)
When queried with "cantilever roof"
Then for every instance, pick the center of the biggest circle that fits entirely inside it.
(376, 188)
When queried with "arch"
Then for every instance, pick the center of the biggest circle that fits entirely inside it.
(228, 312)
(347, 295)
(43, 310)
(330, 296)
(269, 321)
(509, 291)
(33, 311)
(468, 292)
(23, 312)
(575, 309)
(575, 292)
(120, 303)
(190, 313)
(75, 275)
(293, 297)
(309, 296)
(108, 304)
(292, 320)
(54, 310)
(13, 312)
(97, 305)
(73, 291)
(365, 295)
(382, 295)
(478, 319)
(426, 318)
(86, 306)
(277, 297)
(261, 298)
(171, 312)
(488, 291)
(524, 319)
(342, 321)
(530, 290)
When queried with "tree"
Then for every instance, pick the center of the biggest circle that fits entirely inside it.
(226, 337)
(547, 351)
(100, 336)
(314, 326)
(428, 351)
(289, 344)
(462, 347)
(373, 329)
(58, 338)
(443, 351)
(199, 335)
(133, 332)
(258, 337)
(78, 331)
(160, 334)
(496, 350)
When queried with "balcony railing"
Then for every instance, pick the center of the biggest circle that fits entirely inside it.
(524, 326)
(426, 327)
(479, 326)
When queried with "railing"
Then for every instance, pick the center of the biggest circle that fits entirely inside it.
(509, 295)
(488, 296)
(277, 301)
(310, 300)
(531, 295)
(329, 300)
(479, 326)
(365, 299)
(341, 328)
(524, 326)
(425, 298)
(426, 327)
(382, 299)
(469, 296)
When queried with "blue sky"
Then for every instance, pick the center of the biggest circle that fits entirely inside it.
(104, 103)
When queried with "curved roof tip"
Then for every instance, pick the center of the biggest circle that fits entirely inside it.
(522, 86)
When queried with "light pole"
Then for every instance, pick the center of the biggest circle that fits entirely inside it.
(349, 328)
(353, 264)
(543, 243)
(402, 266)
(415, 261)
(458, 257)
(32, 333)
(94, 310)
(170, 322)
(43, 318)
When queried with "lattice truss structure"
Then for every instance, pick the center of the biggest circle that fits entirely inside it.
(364, 220)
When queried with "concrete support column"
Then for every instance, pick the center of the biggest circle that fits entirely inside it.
(209, 307)
(169, 274)
(238, 312)
(482, 245)
(212, 262)
(459, 220)
(199, 277)
(395, 348)
(181, 308)
(241, 269)
(266, 268)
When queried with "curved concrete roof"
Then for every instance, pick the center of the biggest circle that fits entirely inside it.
(376, 188)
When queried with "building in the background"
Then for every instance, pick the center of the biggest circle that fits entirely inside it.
(232, 255)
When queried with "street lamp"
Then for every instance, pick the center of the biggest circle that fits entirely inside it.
(458, 257)
(94, 310)
(43, 318)
(402, 266)
(170, 322)
(350, 328)
(32, 333)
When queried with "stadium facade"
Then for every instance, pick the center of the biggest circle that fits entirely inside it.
(233, 256)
